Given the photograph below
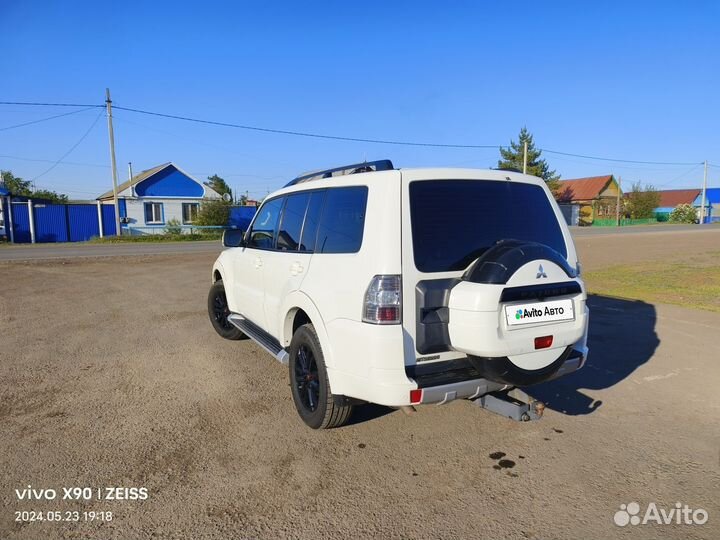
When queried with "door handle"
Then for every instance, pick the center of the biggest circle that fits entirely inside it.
(258, 262)
(296, 268)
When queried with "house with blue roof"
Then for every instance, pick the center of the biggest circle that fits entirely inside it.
(712, 204)
(149, 200)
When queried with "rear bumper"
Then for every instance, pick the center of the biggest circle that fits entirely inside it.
(441, 384)
(369, 372)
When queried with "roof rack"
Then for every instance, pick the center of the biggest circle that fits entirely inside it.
(365, 166)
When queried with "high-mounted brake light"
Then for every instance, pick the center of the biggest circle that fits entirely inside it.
(543, 342)
(383, 301)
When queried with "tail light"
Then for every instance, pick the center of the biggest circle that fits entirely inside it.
(543, 342)
(383, 301)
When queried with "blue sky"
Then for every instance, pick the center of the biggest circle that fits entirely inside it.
(626, 80)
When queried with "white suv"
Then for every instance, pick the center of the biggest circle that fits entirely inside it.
(405, 287)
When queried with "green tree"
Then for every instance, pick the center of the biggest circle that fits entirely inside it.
(16, 185)
(213, 213)
(512, 158)
(641, 202)
(684, 213)
(219, 184)
(59, 198)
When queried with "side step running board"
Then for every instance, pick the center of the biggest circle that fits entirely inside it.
(260, 336)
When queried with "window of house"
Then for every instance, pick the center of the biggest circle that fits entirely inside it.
(190, 212)
(153, 213)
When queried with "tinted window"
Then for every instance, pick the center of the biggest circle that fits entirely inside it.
(343, 220)
(264, 228)
(312, 219)
(455, 221)
(292, 220)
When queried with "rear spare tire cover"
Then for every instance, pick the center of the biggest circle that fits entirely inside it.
(496, 266)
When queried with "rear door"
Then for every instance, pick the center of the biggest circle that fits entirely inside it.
(450, 221)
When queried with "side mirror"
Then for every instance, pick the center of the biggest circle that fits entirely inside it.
(233, 238)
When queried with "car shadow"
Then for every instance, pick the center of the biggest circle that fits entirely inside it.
(368, 411)
(621, 338)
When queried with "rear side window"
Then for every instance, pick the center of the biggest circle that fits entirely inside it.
(343, 220)
(312, 220)
(455, 221)
(264, 228)
(293, 216)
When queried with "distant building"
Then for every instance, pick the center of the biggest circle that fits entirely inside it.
(671, 199)
(597, 196)
(155, 196)
(712, 204)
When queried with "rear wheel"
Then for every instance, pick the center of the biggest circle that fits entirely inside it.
(309, 383)
(218, 311)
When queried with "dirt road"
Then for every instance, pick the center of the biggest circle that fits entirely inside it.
(110, 375)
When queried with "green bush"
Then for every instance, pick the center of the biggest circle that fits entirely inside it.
(684, 213)
(173, 226)
(213, 213)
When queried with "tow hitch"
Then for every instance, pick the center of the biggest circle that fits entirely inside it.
(514, 404)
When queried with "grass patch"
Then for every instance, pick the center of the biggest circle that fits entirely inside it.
(694, 282)
(150, 238)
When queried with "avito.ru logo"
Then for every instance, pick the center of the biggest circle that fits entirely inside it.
(629, 514)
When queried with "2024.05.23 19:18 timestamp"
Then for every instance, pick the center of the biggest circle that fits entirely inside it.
(29, 516)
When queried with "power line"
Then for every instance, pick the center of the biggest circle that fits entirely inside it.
(302, 133)
(53, 161)
(34, 104)
(73, 147)
(338, 137)
(45, 119)
(621, 160)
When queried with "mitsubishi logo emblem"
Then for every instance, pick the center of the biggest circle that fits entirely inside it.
(540, 273)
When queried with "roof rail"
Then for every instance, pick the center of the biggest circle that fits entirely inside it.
(366, 166)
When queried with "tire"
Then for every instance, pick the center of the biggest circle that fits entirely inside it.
(309, 383)
(218, 312)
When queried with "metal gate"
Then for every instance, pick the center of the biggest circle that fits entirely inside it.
(45, 222)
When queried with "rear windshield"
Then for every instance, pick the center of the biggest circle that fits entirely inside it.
(455, 221)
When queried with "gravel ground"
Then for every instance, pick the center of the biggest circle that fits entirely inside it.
(111, 376)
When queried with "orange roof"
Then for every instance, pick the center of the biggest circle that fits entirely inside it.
(582, 189)
(670, 198)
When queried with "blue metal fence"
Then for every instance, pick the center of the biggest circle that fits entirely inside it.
(79, 222)
(21, 223)
(51, 223)
(83, 222)
(60, 222)
(241, 216)
(108, 220)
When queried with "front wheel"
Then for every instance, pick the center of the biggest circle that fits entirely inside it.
(218, 311)
(309, 382)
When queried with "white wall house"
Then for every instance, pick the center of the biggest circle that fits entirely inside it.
(154, 197)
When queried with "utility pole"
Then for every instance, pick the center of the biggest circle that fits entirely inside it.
(525, 158)
(617, 207)
(130, 177)
(111, 135)
(702, 199)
